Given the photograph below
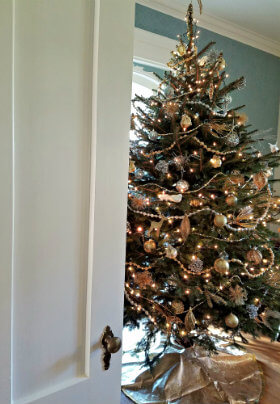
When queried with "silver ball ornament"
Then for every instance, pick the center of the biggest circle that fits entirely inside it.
(182, 186)
(153, 135)
(139, 174)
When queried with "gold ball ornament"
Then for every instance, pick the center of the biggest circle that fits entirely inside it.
(220, 220)
(150, 246)
(231, 200)
(260, 180)
(231, 320)
(178, 306)
(216, 161)
(131, 166)
(254, 256)
(182, 186)
(221, 265)
(182, 49)
(185, 122)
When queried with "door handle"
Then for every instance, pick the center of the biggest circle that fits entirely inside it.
(110, 345)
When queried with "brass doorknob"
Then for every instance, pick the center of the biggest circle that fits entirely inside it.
(110, 345)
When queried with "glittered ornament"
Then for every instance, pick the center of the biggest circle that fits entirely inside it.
(252, 311)
(221, 265)
(139, 202)
(162, 166)
(181, 49)
(171, 108)
(232, 320)
(182, 186)
(153, 135)
(220, 220)
(178, 306)
(131, 166)
(196, 265)
(143, 279)
(226, 101)
(254, 256)
(232, 139)
(231, 200)
(216, 161)
(185, 122)
(150, 246)
(171, 252)
(237, 295)
(139, 174)
(202, 61)
(196, 202)
(260, 180)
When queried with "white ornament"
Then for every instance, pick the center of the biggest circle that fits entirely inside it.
(170, 198)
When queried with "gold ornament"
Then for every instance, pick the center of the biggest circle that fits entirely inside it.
(181, 49)
(143, 279)
(221, 265)
(150, 246)
(171, 252)
(131, 166)
(231, 200)
(196, 202)
(216, 161)
(232, 320)
(260, 180)
(182, 186)
(139, 203)
(220, 220)
(178, 306)
(222, 63)
(189, 321)
(185, 122)
(171, 108)
(238, 295)
(185, 227)
(211, 90)
(254, 256)
(202, 61)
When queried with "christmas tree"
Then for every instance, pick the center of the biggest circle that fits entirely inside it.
(200, 250)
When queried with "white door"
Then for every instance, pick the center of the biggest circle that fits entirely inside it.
(65, 77)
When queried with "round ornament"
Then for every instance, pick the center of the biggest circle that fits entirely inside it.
(232, 320)
(182, 49)
(185, 122)
(178, 306)
(150, 246)
(254, 256)
(139, 174)
(153, 135)
(143, 279)
(221, 265)
(222, 63)
(196, 265)
(162, 166)
(131, 166)
(182, 186)
(171, 252)
(231, 200)
(232, 139)
(216, 161)
(260, 180)
(220, 220)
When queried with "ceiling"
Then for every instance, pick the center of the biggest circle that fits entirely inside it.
(260, 16)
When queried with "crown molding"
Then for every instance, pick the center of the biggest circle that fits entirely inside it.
(217, 25)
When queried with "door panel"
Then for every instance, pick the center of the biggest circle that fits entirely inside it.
(65, 109)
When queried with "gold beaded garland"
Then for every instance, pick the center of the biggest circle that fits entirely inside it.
(221, 265)
(232, 320)
(220, 220)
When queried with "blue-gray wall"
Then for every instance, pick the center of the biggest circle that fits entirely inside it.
(262, 70)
